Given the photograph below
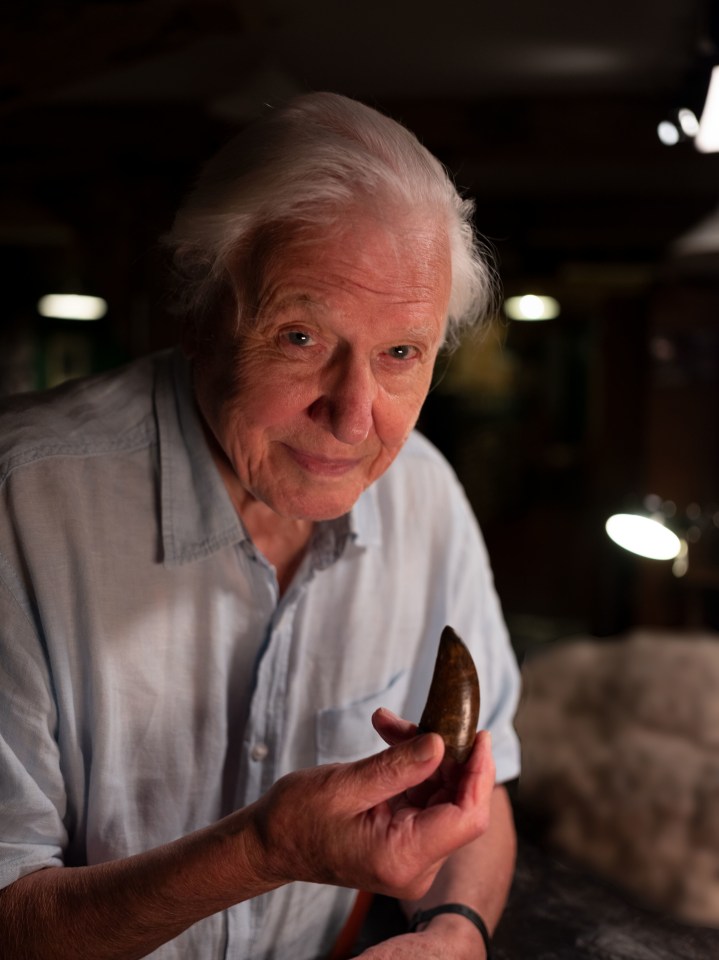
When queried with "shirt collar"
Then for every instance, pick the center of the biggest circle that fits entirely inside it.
(197, 514)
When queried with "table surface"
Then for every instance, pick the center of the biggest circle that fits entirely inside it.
(556, 911)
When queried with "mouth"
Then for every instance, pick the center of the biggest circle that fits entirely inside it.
(322, 466)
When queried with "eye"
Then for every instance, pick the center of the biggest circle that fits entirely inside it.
(299, 344)
(298, 338)
(403, 352)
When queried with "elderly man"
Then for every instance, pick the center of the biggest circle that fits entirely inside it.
(224, 571)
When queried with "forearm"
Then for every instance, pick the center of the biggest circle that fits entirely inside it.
(346, 824)
(478, 875)
(125, 909)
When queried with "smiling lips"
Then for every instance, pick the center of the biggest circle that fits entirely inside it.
(323, 466)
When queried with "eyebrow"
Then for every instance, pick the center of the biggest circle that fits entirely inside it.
(425, 332)
(282, 302)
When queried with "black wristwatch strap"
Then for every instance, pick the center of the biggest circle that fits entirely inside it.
(424, 916)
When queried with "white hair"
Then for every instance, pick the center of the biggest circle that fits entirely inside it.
(297, 169)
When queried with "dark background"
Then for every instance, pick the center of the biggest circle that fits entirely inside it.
(546, 113)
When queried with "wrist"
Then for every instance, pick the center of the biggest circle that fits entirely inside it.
(465, 939)
(246, 854)
(457, 923)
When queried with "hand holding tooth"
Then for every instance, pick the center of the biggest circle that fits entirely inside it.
(354, 824)
(452, 711)
(387, 823)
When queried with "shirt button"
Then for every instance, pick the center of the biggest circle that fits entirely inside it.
(259, 751)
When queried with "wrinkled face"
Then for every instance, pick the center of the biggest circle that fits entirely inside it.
(311, 401)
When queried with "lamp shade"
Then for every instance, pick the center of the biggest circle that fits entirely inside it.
(644, 536)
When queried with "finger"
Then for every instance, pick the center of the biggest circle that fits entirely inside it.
(451, 772)
(448, 821)
(440, 794)
(422, 794)
(438, 829)
(395, 770)
(391, 728)
(478, 778)
(481, 748)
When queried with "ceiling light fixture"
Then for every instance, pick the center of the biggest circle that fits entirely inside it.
(688, 122)
(707, 138)
(71, 306)
(531, 306)
(660, 532)
(681, 125)
(668, 133)
(645, 536)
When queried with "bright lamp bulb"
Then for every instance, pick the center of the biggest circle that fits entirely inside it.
(688, 122)
(644, 536)
(71, 306)
(707, 138)
(531, 307)
(668, 133)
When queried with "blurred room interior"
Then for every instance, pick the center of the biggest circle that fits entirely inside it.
(557, 118)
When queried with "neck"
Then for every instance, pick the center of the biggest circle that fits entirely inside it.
(282, 541)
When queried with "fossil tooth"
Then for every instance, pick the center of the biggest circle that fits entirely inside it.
(452, 707)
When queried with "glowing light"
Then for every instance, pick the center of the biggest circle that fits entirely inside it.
(688, 122)
(644, 536)
(707, 139)
(668, 133)
(531, 307)
(71, 306)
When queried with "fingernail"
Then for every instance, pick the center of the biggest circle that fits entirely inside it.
(423, 748)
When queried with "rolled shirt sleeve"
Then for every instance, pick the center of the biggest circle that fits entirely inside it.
(32, 790)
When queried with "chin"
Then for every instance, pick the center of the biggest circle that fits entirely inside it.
(315, 507)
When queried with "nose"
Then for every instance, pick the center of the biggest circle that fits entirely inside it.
(346, 403)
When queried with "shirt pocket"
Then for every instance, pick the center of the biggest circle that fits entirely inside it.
(346, 733)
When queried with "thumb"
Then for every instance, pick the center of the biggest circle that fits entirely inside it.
(398, 768)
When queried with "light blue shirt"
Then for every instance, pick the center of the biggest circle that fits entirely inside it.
(151, 677)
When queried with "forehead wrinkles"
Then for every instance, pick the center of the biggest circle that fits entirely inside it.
(406, 267)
